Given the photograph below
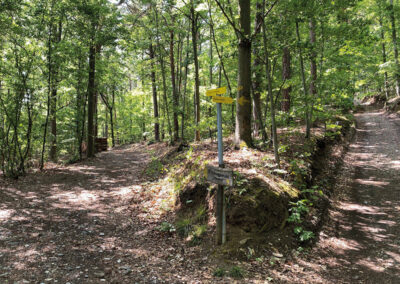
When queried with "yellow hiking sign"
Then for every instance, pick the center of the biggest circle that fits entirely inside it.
(222, 100)
(215, 92)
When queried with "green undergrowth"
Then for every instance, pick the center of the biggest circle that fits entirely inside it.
(264, 199)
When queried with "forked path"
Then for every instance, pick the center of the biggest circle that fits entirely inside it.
(86, 223)
(361, 243)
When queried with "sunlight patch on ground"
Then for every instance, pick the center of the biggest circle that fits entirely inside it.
(6, 213)
(395, 256)
(372, 265)
(369, 210)
(372, 182)
(123, 192)
(387, 222)
(341, 245)
(76, 198)
(395, 165)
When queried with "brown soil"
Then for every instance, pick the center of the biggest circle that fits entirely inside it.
(361, 241)
(91, 223)
(87, 223)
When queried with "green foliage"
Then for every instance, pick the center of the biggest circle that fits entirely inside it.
(166, 227)
(219, 272)
(283, 148)
(299, 170)
(184, 227)
(194, 226)
(300, 209)
(236, 272)
(154, 168)
(37, 61)
(303, 234)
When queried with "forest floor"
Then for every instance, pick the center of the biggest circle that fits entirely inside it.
(89, 223)
(360, 243)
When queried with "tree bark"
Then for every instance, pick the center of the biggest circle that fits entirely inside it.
(384, 58)
(243, 102)
(313, 83)
(164, 82)
(165, 97)
(91, 100)
(111, 117)
(257, 82)
(185, 89)
(81, 102)
(286, 75)
(395, 49)
(173, 81)
(154, 89)
(194, 17)
(303, 76)
(53, 102)
(49, 80)
(271, 97)
(53, 124)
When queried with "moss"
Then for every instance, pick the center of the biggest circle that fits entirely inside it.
(289, 189)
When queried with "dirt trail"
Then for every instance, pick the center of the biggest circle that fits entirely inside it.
(85, 223)
(361, 243)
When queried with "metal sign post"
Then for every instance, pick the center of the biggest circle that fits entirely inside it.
(220, 175)
(221, 217)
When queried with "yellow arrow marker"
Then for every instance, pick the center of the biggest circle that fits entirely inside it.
(222, 100)
(243, 101)
(214, 92)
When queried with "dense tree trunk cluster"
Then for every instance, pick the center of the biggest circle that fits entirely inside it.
(74, 70)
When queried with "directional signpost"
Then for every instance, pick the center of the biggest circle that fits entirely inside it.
(222, 100)
(220, 175)
(216, 92)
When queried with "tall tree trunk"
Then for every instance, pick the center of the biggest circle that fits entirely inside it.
(396, 51)
(173, 81)
(144, 115)
(243, 102)
(194, 17)
(313, 83)
(112, 127)
(165, 97)
(164, 81)
(270, 94)
(49, 86)
(257, 81)
(184, 89)
(303, 76)
(154, 89)
(384, 57)
(91, 100)
(53, 124)
(286, 75)
(106, 125)
(210, 70)
(53, 102)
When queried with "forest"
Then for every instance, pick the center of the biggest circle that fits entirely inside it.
(72, 71)
(130, 78)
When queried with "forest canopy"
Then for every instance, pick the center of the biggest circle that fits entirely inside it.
(78, 70)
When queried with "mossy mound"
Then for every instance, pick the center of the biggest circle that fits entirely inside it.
(263, 205)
